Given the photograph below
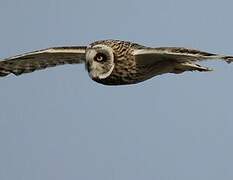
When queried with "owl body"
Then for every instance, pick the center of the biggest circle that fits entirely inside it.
(113, 62)
(127, 70)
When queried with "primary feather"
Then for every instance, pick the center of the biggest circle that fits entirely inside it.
(42, 59)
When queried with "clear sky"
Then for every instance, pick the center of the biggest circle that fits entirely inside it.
(59, 124)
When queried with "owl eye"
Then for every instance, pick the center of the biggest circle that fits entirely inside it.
(100, 57)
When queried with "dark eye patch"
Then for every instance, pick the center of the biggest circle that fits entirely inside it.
(100, 57)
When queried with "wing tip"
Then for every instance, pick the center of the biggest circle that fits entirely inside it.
(228, 59)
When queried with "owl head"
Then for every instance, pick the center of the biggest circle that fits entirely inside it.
(99, 61)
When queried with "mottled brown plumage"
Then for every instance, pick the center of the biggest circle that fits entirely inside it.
(113, 62)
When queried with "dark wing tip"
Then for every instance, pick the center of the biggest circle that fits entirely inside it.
(228, 59)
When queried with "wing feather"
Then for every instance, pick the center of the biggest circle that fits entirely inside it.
(37, 60)
(176, 54)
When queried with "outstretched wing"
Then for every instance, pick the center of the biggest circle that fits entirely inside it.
(42, 59)
(177, 54)
(180, 59)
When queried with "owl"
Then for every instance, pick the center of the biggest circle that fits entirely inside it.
(113, 62)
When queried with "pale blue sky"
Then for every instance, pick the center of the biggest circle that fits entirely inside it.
(59, 124)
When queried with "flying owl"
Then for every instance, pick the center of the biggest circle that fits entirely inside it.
(113, 62)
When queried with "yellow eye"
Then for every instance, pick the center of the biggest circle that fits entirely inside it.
(100, 57)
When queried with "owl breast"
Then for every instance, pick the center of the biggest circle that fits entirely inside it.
(124, 72)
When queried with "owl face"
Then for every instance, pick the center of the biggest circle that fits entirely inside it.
(99, 61)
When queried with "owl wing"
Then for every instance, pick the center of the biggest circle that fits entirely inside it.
(42, 59)
(177, 55)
